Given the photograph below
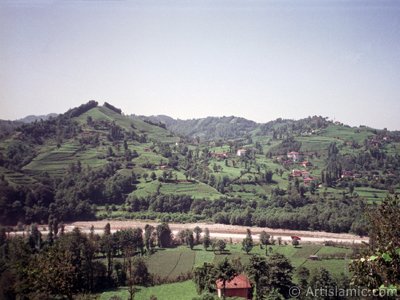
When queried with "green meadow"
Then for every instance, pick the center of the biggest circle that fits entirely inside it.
(170, 263)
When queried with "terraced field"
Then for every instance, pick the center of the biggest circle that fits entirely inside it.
(198, 190)
(16, 177)
(56, 160)
(53, 160)
(177, 291)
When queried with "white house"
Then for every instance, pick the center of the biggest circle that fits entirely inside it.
(295, 156)
(241, 152)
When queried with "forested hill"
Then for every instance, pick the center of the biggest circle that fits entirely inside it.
(68, 163)
(210, 128)
(7, 126)
(215, 128)
(94, 161)
(33, 118)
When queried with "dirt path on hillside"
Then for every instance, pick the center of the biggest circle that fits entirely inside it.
(224, 231)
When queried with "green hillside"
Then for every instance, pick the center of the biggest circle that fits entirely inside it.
(95, 162)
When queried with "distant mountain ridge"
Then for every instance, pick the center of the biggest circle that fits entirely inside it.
(232, 127)
(33, 118)
(206, 128)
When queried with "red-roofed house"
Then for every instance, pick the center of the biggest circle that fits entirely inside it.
(219, 155)
(305, 164)
(239, 286)
(305, 174)
(347, 174)
(308, 180)
(296, 173)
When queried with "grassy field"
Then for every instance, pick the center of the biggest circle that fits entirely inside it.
(347, 133)
(315, 143)
(178, 291)
(298, 256)
(170, 264)
(203, 256)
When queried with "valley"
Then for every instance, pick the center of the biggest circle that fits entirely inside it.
(103, 191)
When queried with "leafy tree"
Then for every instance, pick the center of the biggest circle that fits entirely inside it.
(225, 272)
(181, 236)
(148, 237)
(206, 238)
(13, 268)
(197, 231)
(257, 270)
(220, 245)
(264, 238)
(188, 238)
(107, 247)
(145, 176)
(83, 254)
(204, 277)
(53, 273)
(303, 275)
(212, 181)
(274, 294)
(280, 274)
(295, 242)
(322, 279)
(164, 235)
(247, 243)
(380, 266)
(35, 238)
(130, 280)
(190, 241)
(140, 273)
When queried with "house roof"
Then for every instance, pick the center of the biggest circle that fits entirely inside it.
(309, 179)
(238, 282)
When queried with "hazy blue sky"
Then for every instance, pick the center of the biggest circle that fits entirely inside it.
(256, 59)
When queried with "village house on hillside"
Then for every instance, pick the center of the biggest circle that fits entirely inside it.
(305, 164)
(223, 155)
(347, 174)
(296, 173)
(307, 181)
(241, 152)
(294, 156)
(239, 287)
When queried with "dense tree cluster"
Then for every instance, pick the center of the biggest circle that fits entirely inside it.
(65, 264)
(112, 107)
(293, 213)
(379, 267)
(269, 275)
(71, 197)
